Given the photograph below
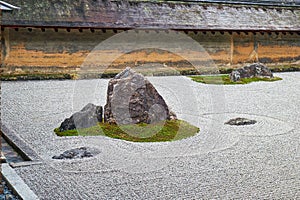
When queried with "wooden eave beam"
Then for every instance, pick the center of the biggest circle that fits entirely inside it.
(116, 30)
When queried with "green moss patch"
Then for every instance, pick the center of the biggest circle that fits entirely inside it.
(168, 130)
(225, 80)
(39, 76)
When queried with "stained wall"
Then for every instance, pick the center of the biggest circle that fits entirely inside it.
(64, 51)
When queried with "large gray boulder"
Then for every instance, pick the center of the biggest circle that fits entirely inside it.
(249, 71)
(132, 99)
(89, 116)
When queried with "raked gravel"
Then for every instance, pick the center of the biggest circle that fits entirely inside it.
(221, 161)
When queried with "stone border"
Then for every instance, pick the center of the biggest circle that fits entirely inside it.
(15, 182)
(26, 152)
(25, 164)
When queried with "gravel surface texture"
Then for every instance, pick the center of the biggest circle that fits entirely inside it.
(221, 161)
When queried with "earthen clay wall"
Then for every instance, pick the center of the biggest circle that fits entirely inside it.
(25, 51)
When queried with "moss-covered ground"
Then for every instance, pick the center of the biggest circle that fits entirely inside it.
(225, 80)
(168, 130)
(34, 76)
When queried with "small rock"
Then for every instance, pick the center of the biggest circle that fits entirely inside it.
(240, 121)
(249, 71)
(9, 197)
(81, 152)
(89, 116)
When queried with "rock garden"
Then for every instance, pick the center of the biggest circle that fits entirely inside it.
(134, 111)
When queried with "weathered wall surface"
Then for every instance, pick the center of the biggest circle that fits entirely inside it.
(281, 48)
(64, 52)
(46, 51)
(151, 14)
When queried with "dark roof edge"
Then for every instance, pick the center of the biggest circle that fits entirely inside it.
(226, 2)
(124, 28)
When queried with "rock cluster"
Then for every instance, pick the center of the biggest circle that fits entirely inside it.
(249, 71)
(89, 116)
(81, 152)
(240, 121)
(132, 99)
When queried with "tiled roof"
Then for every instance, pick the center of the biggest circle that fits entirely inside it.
(154, 15)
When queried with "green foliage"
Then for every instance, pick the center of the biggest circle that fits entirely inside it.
(168, 130)
(225, 80)
(32, 76)
(285, 68)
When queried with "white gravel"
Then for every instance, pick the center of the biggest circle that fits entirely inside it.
(222, 161)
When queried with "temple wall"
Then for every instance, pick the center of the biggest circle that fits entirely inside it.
(36, 51)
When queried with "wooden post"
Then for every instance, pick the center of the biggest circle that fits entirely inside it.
(231, 49)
